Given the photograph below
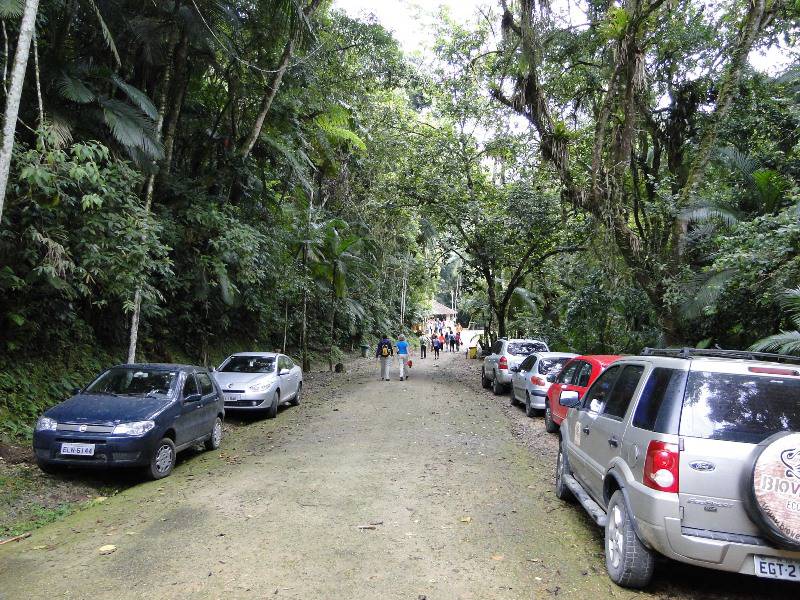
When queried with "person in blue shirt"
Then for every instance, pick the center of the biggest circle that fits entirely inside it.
(402, 355)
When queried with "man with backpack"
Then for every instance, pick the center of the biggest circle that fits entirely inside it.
(384, 353)
(423, 345)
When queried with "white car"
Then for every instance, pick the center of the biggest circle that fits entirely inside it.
(530, 382)
(496, 371)
(259, 381)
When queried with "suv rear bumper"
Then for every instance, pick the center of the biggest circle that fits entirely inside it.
(715, 550)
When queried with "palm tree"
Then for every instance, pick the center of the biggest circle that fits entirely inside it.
(785, 342)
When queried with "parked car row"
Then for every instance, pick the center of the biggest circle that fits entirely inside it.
(142, 415)
(689, 454)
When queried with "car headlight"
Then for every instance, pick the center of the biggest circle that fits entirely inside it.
(46, 424)
(137, 428)
(260, 387)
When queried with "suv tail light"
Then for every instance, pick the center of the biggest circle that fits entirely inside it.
(538, 381)
(503, 364)
(661, 466)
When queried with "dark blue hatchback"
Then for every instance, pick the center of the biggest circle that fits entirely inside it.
(132, 415)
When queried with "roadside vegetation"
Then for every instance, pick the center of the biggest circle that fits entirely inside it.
(192, 177)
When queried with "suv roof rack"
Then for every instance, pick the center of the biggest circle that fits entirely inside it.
(719, 353)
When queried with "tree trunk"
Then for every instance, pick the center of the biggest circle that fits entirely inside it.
(179, 91)
(275, 83)
(148, 193)
(333, 316)
(26, 32)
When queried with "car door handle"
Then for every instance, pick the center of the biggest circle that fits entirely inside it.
(613, 442)
(586, 430)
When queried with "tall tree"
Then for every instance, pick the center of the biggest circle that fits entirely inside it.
(27, 30)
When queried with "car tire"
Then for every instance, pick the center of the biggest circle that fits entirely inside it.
(529, 410)
(215, 439)
(49, 468)
(497, 387)
(272, 411)
(298, 396)
(549, 424)
(162, 460)
(485, 382)
(562, 468)
(628, 562)
(513, 400)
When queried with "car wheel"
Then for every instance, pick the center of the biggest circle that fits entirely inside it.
(298, 396)
(215, 439)
(497, 387)
(163, 459)
(628, 562)
(272, 411)
(485, 383)
(549, 424)
(514, 400)
(49, 468)
(562, 468)
(529, 410)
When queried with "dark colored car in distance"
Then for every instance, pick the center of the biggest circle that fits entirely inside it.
(576, 376)
(135, 415)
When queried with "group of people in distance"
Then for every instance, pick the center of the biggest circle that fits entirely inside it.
(437, 341)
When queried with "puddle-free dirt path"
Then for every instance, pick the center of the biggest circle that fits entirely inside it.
(370, 489)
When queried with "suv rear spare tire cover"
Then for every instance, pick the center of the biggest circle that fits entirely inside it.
(774, 489)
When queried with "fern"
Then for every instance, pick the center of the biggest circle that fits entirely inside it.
(131, 128)
(74, 89)
(138, 97)
(106, 33)
(11, 9)
(336, 126)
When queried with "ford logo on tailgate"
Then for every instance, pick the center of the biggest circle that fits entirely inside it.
(702, 465)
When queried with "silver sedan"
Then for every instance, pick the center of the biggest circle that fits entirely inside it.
(259, 381)
(530, 382)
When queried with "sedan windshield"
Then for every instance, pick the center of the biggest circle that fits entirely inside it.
(248, 364)
(525, 348)
(125, 381)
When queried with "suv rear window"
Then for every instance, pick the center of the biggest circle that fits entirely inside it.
(525, 348)
(739, 407)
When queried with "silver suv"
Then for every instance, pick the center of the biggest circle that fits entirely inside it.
(689, 454)
(505, 355)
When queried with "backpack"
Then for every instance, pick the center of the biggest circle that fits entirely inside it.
(385, 350)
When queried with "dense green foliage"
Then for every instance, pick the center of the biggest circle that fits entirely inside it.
(276, 174)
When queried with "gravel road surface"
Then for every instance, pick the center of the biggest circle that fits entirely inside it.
(430, 489)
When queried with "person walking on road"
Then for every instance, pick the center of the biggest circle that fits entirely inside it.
(423, 346)
(441, 342)
(402, 355)
(384, 353)
(452, 337)
(436, 345)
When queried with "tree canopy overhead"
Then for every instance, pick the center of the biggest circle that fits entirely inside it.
(217, 175)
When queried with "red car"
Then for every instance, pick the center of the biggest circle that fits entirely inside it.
(576, 376)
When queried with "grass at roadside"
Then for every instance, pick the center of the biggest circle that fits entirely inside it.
(30, 499)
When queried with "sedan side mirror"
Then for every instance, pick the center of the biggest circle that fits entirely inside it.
(514, 369)
(284, 372)
(552, 377)
(569, 399)
(192, 398)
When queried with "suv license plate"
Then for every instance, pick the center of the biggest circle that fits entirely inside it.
(78, 449)
(777, 568)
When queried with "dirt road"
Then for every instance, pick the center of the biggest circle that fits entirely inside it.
(428, 488)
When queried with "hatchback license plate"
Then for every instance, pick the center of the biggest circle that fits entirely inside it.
(78, 449)
(232, 397)
(777, 568)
